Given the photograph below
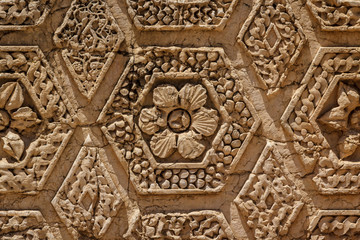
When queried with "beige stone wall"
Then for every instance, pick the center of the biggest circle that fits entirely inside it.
(179, 119)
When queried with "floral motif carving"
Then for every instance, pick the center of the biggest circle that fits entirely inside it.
(193, 91)
(34, 132)
(322, 120)
(336, 15)
(26, 225)
(89, 38)
(331, 224)
(178, 14)
(273, 38)
(19, 15)
(269, 199)
(186, 119)
(194, 225)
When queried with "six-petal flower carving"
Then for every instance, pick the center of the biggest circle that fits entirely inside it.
(179, 121)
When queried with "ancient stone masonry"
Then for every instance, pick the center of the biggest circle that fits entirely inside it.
(336, 15)
(180, 14)
(89, 36)
(22, 14)
(269, 200)
(274, 39)
(179, 119)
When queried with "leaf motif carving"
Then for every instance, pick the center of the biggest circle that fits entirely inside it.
(205, 121)
(166, 96)
(192, 97)
(11, 96)
(188, 145)
(163, 144)
(13, 144)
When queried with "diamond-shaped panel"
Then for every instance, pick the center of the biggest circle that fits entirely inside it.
(269, 199)
(89, 38)
(273, 39)
(89, 194)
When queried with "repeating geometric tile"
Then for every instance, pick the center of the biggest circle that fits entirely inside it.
(340, 15)
(88, 199)
(335, 224)
(27, 224)
(34, 119)
(330, 68)
(16, 15)
(180, 15)
(273, 38)
(204, 225)
(205, 72)
(89, 38)
(269, 199)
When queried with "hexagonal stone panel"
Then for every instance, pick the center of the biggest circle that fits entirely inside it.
(269, 199)
(89, 38)
(173, 15)
(273, 38)
(178, 120)
(322, 120)
(34, 120)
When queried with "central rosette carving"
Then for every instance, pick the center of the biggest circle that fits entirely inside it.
(179, 121)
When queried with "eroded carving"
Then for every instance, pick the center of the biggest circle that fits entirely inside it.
(273, 38)
(88, 199)
(26, 225)
(179, 14)
(170, 140)
(332, 224)
(322, 119)
(194, 225)
(336, 15)
(19, 15)
(269, 199)
(89, 38)
(34, 119)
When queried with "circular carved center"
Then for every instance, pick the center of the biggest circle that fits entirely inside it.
(179, 120)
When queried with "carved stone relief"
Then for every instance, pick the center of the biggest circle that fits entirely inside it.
(171, 15)
(158, 119)
(178, 121)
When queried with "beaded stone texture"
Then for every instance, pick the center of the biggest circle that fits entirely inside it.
(180, 119)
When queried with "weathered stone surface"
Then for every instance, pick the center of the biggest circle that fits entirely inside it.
(179, 119)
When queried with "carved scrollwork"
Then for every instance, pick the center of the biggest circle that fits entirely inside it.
(194, 225)
(89, 37)
(178, 120)
(90, 195)
(336, 15)
(26, 224)
(332, 224)
(269, 200)
(273, 38)
(20, 15)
